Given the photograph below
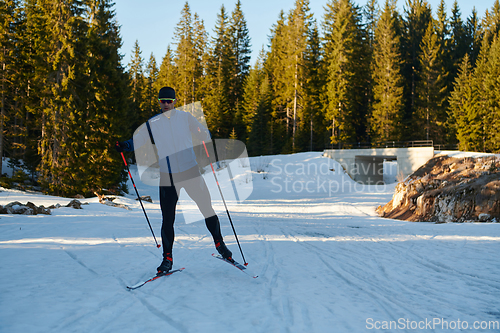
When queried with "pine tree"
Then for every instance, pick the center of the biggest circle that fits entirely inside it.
(387, 78)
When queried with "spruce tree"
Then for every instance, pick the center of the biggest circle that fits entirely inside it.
(220, 71)
(275, 66)
(465, 109)
(190, 40)
(138, 108)
(458, 41)
(256, 105)
(442, 25)
(299, 25)
(97, 167)
(17, 128)
(430, 116)
(251, 103)
(314, 122)
(7, 32)
(347, 78)
(167, 73)
(386, 117)
(473, 36)
(200, 39)
(71, 95)
(491, 90)
(60, 56)
(33, 82)
(418, 16)
(184, 60)
(371, 15)
(150, 91)
(490, 25)
(240, 40)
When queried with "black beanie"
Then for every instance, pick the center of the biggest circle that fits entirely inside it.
(166, 92)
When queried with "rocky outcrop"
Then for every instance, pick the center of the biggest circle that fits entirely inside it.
(28, 209)
(76, 204)
(448, 189)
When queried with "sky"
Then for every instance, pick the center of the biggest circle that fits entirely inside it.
(153, 22)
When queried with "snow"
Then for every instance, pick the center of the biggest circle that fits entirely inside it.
(464, 154)
(326, 263)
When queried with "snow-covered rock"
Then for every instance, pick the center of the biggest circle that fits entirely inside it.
(28, 209)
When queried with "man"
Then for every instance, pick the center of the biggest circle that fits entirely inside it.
(178, 169)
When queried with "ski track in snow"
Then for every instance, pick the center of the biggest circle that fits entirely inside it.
(326, 263)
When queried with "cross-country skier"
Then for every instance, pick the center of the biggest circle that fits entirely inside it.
(178, 170)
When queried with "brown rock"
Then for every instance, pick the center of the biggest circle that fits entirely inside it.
(449, 190)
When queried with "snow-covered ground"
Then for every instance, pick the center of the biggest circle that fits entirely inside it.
(326, 263)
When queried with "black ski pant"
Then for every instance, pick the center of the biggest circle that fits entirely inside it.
(195, 186)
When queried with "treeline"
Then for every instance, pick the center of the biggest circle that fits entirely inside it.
(361, 74)
(64, 93)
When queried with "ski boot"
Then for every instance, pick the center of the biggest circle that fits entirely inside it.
(223, 250)
(166, 264)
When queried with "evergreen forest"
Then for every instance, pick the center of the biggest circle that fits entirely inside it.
(362, 74)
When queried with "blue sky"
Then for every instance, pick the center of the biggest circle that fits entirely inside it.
(152, 22)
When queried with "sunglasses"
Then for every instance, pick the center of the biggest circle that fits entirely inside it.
(166, 100)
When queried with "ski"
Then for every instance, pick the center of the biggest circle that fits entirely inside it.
(235, 264)
(140, 284)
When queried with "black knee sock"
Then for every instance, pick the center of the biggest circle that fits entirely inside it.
(213, 226)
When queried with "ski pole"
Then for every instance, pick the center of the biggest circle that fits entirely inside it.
(139, 198)
(227, 211)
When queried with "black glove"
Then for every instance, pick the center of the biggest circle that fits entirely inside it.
(119, 146)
